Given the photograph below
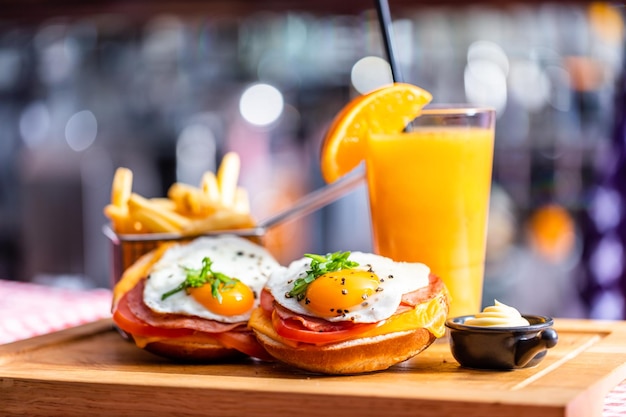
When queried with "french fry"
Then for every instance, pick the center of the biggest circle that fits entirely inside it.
(153, 222)
(242, 201)
(191, 201)
(210, 188)
(120, 219)
(185, 197)
(217, 203)
(137, 202)
(122, 187)
(166, 203)
(227, 178)
(220, 220)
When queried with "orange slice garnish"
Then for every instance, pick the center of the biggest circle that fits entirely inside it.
(385, 110)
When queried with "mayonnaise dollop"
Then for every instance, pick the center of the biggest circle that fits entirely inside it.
(498, 315)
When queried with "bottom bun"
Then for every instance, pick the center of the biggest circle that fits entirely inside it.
(185, 351)
(354, 356)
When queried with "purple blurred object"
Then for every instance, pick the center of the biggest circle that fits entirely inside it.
(604, 225)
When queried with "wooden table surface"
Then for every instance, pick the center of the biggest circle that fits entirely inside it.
(91, 370)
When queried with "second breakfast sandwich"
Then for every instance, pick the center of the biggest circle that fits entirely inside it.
(346, 313)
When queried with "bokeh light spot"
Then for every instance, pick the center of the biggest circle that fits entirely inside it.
(35, 124)
(81, 130)
(261, 104)
(370, 73)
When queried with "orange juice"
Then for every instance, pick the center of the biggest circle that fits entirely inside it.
(429, 197)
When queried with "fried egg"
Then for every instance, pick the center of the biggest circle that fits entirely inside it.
(368, 293)
(233, 256)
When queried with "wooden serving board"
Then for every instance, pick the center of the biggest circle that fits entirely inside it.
(91, 370)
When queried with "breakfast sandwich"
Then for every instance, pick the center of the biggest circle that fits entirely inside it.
(192, 301)
(346, 313)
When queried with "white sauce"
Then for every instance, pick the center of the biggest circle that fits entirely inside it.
(498, 315)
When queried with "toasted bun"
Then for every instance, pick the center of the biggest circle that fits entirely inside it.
(186, 351)
(355, 356)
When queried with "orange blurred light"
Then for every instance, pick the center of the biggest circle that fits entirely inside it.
(606, 20)
(552, 233)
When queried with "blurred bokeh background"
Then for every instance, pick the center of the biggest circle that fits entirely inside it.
(168, 92)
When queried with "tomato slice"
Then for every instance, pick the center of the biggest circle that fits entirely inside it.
(127, 321)
(244, 342)
(293, 330)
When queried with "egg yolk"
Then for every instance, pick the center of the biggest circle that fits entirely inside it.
(336, 293)
(237, 298)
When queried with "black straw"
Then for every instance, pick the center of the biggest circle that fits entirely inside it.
(384, 18)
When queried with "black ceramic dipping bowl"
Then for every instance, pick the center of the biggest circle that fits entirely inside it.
(501, 347)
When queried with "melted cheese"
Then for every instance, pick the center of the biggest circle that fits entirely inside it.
(261, 323)
(142, 341)
(138, 270)
(430, 315)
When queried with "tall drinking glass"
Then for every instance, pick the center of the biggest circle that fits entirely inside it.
(429, 196)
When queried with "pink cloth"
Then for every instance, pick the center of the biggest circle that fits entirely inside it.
(28, 310)
(615, 402)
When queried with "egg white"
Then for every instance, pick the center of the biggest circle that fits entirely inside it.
(396, 278)
(231, 255)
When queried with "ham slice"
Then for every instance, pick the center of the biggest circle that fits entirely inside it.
(174, 321)
(409, 301)
(435, 286)
(313, 323)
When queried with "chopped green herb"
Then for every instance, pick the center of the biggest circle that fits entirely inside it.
(205, 275)
(320, 265)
